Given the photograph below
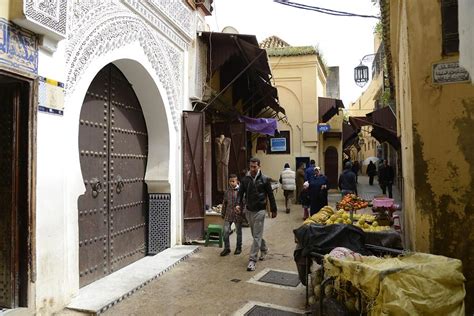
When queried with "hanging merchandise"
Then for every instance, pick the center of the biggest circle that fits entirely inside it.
(222, 161)
(266, 126)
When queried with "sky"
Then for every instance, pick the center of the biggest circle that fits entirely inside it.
(343, 41)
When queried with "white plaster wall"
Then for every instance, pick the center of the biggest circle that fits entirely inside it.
(51, 217)
(59, 178)
(466, 35)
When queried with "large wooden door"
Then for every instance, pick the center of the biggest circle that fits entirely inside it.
(193, 175)
(14, 192)
(238, 152)
(9, 116)
(331, 166)
(113, 145)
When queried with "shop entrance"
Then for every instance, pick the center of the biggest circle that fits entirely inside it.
(15, 163)
(331, 166)
(113, 147)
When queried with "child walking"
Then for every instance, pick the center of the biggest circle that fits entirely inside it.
(231, 215)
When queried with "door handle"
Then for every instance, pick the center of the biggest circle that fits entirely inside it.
(119, 185)
(96, 187)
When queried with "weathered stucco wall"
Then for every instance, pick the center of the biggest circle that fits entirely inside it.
(437, 139)
(11, 9)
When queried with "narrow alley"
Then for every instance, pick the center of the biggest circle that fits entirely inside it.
(208, 284)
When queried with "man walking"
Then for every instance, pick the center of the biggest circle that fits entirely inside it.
(309, 172)
(347, 180)
(288, 183)
(255, 188)
(371, 172)
(386, 176)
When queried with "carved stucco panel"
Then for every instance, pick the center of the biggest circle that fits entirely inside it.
(99, 29)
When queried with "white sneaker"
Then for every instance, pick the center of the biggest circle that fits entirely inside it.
(263, 255)
(251, 266)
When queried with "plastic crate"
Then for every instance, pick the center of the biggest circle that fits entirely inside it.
(382, 202)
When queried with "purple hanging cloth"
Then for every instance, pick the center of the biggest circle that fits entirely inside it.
(266, 126)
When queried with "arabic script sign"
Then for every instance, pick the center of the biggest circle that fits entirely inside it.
(449, 73)
(18, 47)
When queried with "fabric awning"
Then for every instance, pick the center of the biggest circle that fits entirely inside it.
(244, 65)
(384, 118)
(349, 135)
(384, 125)
(328, 107)
(358, 121)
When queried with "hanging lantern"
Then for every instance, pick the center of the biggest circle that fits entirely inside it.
(361, 75)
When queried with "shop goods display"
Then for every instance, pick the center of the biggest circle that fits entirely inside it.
(410, 284)
(352, 202)
(327, 216)
(217, 208)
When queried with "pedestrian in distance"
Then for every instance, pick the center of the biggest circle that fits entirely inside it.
(309, 172)
(355, 169)
(318, 191)
(371, 172)
(231, 215)
(299, 182)
(256, 188)
(347, 180)
(386, 177)
(288, 184)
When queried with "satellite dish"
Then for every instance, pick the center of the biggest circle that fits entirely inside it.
(230, 30)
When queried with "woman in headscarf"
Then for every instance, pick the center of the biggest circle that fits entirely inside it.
(318, 191)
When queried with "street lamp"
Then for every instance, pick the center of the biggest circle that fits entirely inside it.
(361, 72)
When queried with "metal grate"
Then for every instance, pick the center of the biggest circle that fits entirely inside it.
(280, 278)
(159, 222)
(258, 310)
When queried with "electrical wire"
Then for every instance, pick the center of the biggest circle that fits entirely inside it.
(324, 10)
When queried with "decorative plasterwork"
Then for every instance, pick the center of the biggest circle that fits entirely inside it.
(178, 12)
(99, 29)
(48, 14)
(155, 17)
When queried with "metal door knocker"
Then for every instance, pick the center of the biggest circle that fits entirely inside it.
(96, 187)
(119, 185)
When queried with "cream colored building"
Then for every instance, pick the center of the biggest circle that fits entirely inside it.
(435, 106)
(300, 77)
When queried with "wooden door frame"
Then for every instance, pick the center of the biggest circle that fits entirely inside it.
(26, 244)
(198, 220)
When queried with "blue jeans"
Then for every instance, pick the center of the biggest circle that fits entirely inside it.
(238, 230)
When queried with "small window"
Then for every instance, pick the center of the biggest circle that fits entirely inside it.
(280, 143)
(449, 18)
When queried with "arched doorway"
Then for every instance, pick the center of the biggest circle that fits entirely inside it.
(331, 166)
(113, 147)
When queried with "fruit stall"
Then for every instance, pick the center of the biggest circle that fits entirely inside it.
(351, 260)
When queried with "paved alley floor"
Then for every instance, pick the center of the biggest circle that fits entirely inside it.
(207, 284)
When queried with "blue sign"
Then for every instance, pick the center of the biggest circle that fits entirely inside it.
(324, 128)
(278, 144)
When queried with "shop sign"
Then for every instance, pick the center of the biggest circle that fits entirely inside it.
(444, 73)
(50, 96)
(323, 128)
(278, 144)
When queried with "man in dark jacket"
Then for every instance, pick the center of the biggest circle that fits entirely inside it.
(347, 180)
(309, 172)
(386, 176)
(371, 172)
(255, 188)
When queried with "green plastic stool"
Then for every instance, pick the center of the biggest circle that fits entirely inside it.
(214, 235)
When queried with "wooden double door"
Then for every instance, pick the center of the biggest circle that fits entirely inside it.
(15, 193)
(113, 148)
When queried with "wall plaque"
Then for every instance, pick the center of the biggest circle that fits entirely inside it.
(50, 96)
(449, 73)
